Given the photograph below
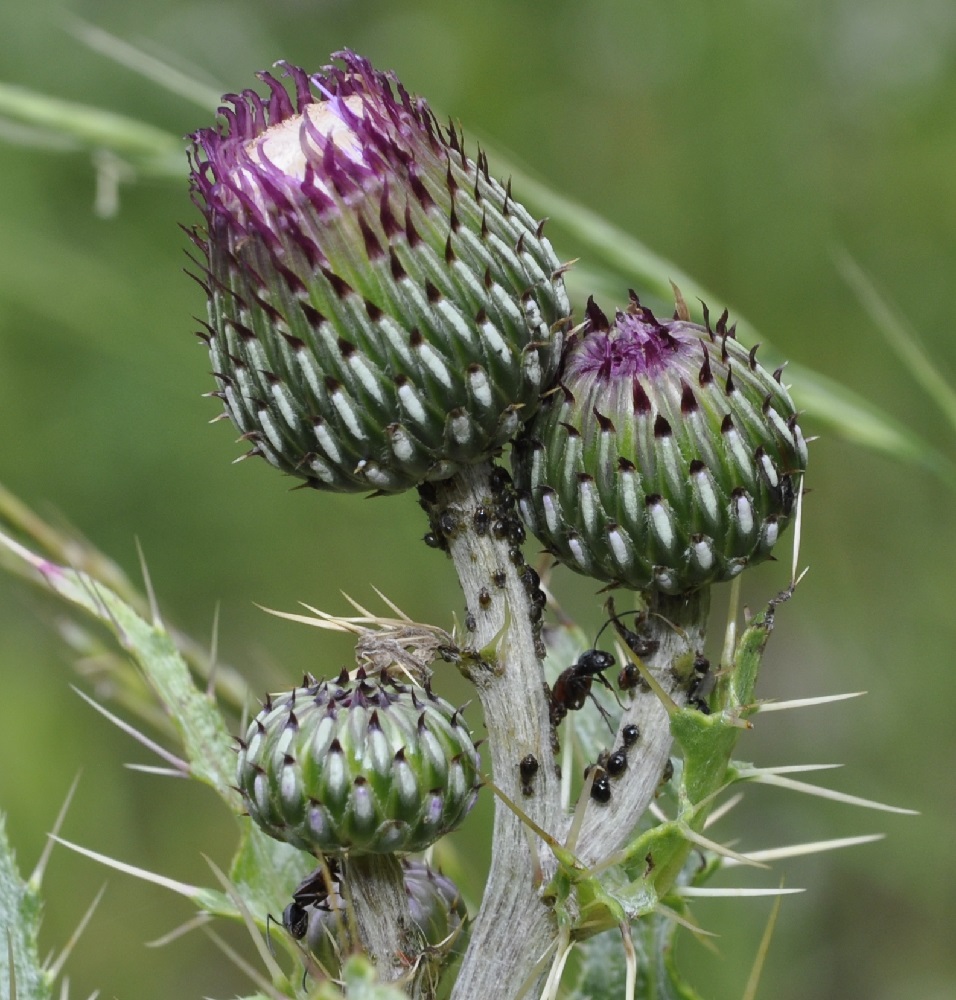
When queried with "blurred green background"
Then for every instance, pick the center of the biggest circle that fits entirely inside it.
(743, 140)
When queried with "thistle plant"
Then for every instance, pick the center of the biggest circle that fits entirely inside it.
(383, 315)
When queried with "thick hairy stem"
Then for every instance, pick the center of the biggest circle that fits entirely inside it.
(678, 627)
(475, 513)
(375, 885)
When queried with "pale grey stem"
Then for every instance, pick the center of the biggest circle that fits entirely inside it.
(513, 927)
(678, 625)
(375, 885)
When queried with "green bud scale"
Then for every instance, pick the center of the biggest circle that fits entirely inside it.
(381, 311)
(666, 459)
(360, 765)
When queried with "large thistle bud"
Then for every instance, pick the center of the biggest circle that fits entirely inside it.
(358, 765)
(381, 311)
(666, 459)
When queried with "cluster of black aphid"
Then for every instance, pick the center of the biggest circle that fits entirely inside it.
(527, 769)
(698, 686)
(611, 764)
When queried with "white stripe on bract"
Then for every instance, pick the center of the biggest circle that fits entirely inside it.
(620, 549)
(312, 375)
(703, 554)
(289, 785)
(769, 470)
(434, 363)
(360, 366)
(397, 337)
(412, 405)
(706, 496)
(404, 778)
(506, 304)
(628, 492)
(260, 791)
(283, 399)
(326, 441)
(343, 405)
(322, 470)
(744, 514)
(578, 552)
(454, 318)
(402, 446)
(480, 387)
(272, 432)
(494, 341)
(661, 523)
(461, 429)
(552, 512)
(589, 505)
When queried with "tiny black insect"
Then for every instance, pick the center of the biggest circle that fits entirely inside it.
(667, 773)
(313, 890)
(499, 480)
(573, 686)
(481, 519)
(601, 786)
(616, 763)
(527, 769)
(630, 734)
(636, 639)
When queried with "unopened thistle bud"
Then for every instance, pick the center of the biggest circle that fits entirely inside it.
(359, 765)
(381, 311)
(666, 459)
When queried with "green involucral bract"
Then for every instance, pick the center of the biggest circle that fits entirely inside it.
(666, 459)
(381, 311)
(358, 765)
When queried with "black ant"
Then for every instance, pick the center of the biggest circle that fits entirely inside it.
(636, 640)
(313, 890)
(573, 686)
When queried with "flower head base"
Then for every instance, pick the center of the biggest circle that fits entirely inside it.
(435, 907)
(359, 765)
(667, 458)
(381, 311)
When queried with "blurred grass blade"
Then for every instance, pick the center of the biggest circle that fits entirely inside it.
(860, 422)
(148, 149)
(142, 63)
(646, 270)
(899, 335)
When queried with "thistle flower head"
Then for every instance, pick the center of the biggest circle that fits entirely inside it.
(359, 765)
(381, 311)
(666, 459)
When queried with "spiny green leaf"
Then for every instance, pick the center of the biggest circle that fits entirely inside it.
(19, 931)
(205, 738)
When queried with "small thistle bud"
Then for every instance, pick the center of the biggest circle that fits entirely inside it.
(358, 765)
(435, 906)
(381, 311)
(666, 459)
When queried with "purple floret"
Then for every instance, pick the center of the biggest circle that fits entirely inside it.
(637, 344)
